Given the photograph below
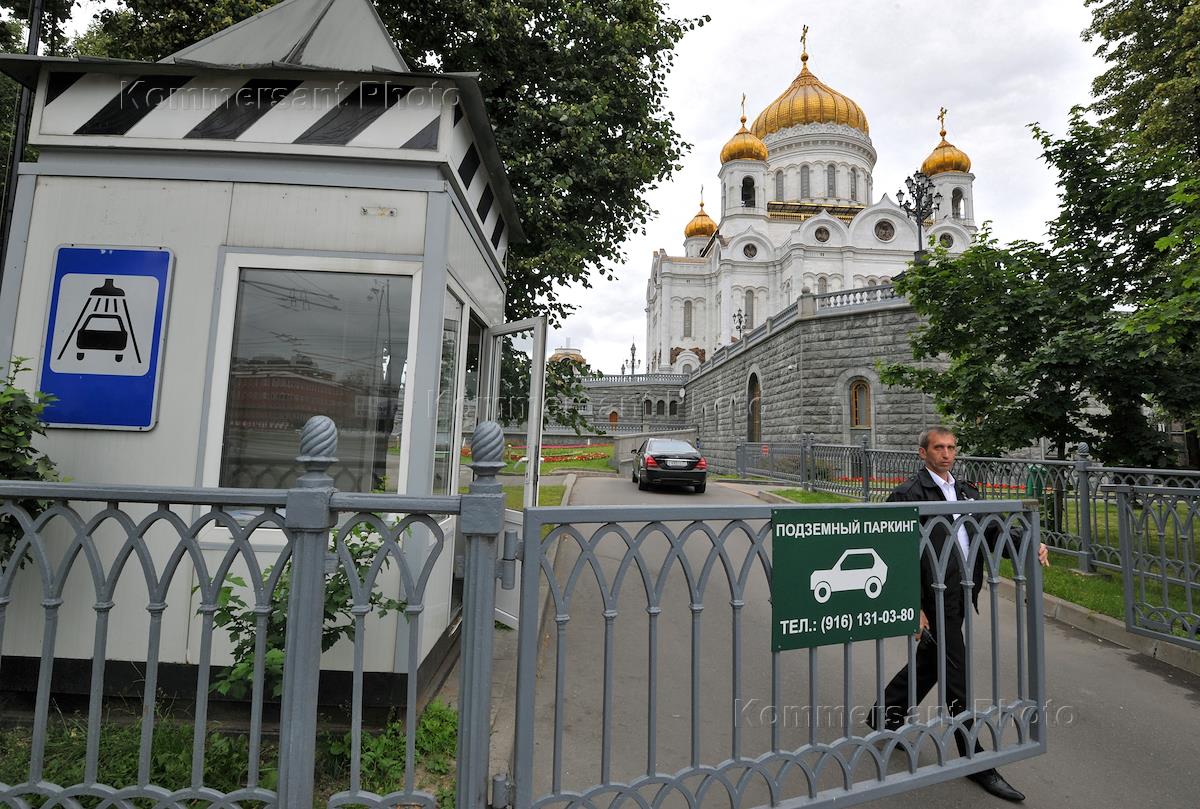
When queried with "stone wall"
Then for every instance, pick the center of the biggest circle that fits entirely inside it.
(806, 361)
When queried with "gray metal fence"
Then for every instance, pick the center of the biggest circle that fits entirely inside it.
(97, 545)
(657, 685)
(1079, 512)
(1161, 563)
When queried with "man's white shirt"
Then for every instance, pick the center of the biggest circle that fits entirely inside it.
(947, 487)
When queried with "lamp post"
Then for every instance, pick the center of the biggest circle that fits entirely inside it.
(633, 359)
(921, 205)
(739, 322)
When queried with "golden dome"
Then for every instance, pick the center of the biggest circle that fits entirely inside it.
(945, 156)
(809, 101)
(701, 225)
(743, 146)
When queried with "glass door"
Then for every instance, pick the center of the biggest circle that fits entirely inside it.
(516, 378)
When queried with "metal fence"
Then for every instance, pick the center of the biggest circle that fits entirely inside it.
(1161, 563)
(657, 685)
(72, 545)
(1079, 512)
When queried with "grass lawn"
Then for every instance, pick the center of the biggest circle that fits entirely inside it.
(802, 496)
(559, 459)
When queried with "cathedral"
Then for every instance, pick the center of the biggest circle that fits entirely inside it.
(796, 218)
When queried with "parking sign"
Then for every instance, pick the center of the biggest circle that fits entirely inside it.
(844, 574)
(104, 337)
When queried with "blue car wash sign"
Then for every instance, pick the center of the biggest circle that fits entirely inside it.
(105, 336)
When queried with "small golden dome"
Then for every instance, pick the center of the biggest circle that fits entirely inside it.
(945, 156)
(808, 100)
(701, 225)
(743, 146)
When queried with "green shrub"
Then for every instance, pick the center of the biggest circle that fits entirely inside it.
(20, 421)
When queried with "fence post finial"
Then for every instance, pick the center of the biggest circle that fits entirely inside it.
(487, 455)
(318, 444)
(1083, 489)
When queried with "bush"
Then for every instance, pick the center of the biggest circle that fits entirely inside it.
(20, 421)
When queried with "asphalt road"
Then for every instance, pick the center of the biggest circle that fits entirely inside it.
(1121, 724)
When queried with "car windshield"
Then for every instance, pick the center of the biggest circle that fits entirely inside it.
(667, 445)
(858, 561)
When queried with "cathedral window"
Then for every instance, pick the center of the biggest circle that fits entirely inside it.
(753, 409)
(687, 318)
(853, 185)
(661, 408)
(821, 234)
(860, 403)
(956, 203)
(647, 407)
(831, 180)
(804, 184)
(822, 285)
(748, 311)
(779, 186)
(748, 192)
(674, 408)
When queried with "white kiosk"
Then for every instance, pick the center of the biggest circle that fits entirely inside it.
(276, 222)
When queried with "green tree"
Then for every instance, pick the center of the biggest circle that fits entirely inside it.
(20, 421)
(576, 92)
(1116, 290)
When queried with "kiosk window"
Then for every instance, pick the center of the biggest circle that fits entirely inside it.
(445, 455)
(316, 343)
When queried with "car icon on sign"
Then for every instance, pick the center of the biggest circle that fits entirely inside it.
(857, 569)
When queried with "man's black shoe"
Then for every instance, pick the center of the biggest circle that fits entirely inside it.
(893, 722)
(994, 783)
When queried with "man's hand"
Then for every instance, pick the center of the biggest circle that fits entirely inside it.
(924, 625)
(1044, 555)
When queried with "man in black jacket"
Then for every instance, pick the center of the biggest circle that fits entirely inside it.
(938, 449)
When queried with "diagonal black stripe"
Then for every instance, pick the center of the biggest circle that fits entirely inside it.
(468, 166)
(357, 111)
(485, 204)
(498, 232)
(59, 82)
(135, 101)
(243, 109)
(458, 113)
(427, 138)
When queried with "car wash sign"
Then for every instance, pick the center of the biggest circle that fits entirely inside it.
(844, 574)
(104, 337)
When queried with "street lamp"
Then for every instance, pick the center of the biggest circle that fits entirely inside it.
(739, 322)
(633, 362)
(920, 207)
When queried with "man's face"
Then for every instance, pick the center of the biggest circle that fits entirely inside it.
(940, 454)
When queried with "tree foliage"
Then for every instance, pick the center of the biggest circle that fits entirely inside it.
(1110, 306)
(20, 421)
(576, 92)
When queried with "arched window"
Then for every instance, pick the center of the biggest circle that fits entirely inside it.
(748, 311)
(831, 180)
(779, 186)
(687, 318)
(853, 184)
(956, 203)
(674, 409)
(661, 408)
(748, 192)
(822, 285)
(647, 407)
(804, 185)
(753, 409)
(860, 403)
(613, 418)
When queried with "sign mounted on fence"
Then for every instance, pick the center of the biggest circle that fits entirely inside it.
(844, 574)
(104, 337)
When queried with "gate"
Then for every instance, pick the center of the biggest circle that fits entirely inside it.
(1159, 561)
(655, 683)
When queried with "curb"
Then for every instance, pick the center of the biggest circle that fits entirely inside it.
(1110, 629)
(1085, 620)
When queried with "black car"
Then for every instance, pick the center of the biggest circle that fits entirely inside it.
(667, 460)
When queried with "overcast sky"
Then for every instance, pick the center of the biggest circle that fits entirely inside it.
(996, 65)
